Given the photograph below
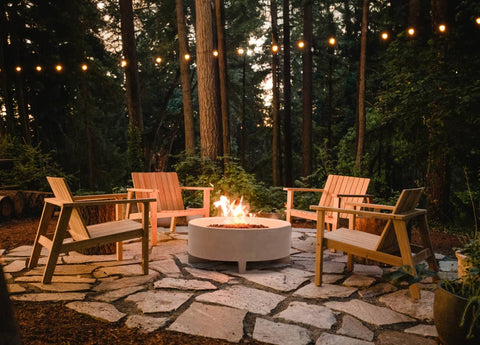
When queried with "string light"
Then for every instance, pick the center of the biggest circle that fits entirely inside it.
(411, 31)
(187, 57)
(38, 68)
(275, 48)
(240, 51)
(477, 20)
(84, 67)
(59, 68)
(442, 28)
(18, 69)
(384, 35)
(332, 41)
(158, 60)
(301, 44)
(215, 53)
(123, 63)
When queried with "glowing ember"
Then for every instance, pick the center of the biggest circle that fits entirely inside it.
(233, 212)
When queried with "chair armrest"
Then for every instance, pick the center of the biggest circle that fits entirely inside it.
(143, 190)
(116, 196)
(197, 188)
(401, 216)
(370, 205)
(315, 190)
(107, 202)
(354, 195)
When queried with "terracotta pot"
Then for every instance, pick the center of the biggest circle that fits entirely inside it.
(448, 310)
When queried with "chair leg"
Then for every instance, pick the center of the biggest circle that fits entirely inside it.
(319, 249)
(145, 243)
(427, 243)
(42, 230)
(119, 246)
(406, 252)
(57, 242)
(173, 224)
(349, 263)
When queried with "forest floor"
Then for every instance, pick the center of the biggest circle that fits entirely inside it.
(52, 323)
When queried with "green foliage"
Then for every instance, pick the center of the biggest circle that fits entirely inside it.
(30, 168)
(230, 180)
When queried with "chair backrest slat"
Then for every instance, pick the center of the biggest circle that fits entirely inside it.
(77, 227)
(338, 184)
(407, 201)
(166, 186)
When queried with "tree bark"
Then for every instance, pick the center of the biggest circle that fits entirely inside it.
(307, 90)
(206, 76)
(287, 98)
(131, 69)
(361, 122)
(276, 152)
(185, 79)
(9, 126)
(222, 69)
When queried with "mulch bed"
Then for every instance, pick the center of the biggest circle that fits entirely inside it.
(52, 323)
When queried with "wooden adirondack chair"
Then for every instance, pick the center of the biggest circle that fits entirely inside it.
(166, 189)
(83, 236)
(391, 247)
(338, 191)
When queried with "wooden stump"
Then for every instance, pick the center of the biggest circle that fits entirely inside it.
(6, 207)
(95, 215)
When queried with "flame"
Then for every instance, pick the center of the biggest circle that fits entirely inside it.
(234, 212)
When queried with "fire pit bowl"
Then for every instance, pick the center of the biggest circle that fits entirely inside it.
(239, 244)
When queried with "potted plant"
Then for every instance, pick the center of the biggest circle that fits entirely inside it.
(456, 307)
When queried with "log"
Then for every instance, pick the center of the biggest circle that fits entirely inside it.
(6, 207)
(19, 202)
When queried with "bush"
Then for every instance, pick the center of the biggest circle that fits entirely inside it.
(31, 166)
(232, 181)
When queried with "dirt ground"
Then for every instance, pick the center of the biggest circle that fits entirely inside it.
(52, 323)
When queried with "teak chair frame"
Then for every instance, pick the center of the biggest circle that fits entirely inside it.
(383, 248)
(83, 236)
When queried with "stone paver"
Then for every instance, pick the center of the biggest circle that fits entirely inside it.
(333, 339)
(98, 310)
(351, 327)
(285, 280)
(369, 313)
(211, 321)
(423, 330)
(145, 324)
(210, 275)
(167, 267)
(359, 280)
(400, 301)
(400, 338)
(183, 284)
(280, 333)
(243, 306)
(50, 297)
(114, 295)
(314, 315)
(324, 291)
(242, 297)
(158, 301)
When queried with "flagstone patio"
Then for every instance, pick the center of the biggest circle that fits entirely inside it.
(275, 303)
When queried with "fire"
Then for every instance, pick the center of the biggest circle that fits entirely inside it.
(234, 212)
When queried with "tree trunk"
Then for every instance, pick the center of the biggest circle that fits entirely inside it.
(222, 69)
(361, 122)
(4, 80)
(206, 76)
(131, 76)
(276, 152)
(307, 90)
(287, 90)
(414, 14)
(88, 132)
(185, 78)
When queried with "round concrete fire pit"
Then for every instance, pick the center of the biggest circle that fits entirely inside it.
(239, 244)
